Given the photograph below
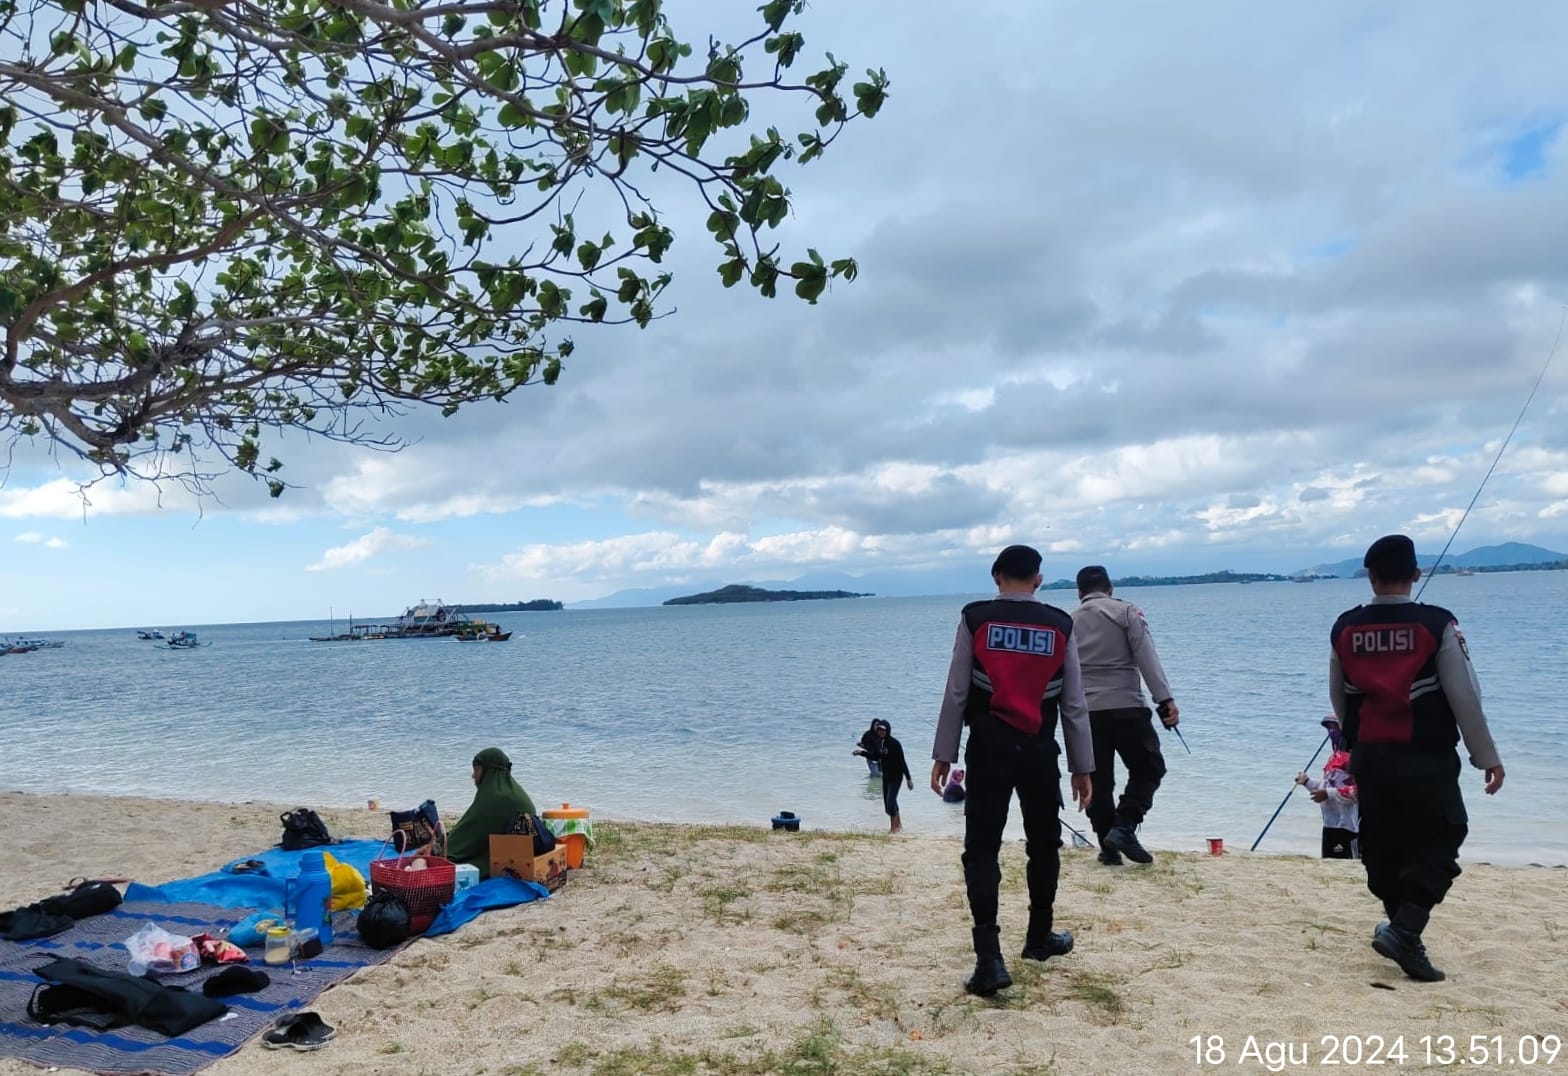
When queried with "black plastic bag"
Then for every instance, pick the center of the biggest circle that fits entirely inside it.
(384, 921)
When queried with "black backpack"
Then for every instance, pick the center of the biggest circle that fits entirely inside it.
(384, 921)
(303, 829)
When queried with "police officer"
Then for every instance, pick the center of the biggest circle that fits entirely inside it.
(1114, 648)
(1014, 671)
(1402, 686)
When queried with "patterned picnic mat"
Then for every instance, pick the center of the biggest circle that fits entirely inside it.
(97, 940)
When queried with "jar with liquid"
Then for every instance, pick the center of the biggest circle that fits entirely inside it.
(277, 951)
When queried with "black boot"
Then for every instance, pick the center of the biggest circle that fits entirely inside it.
(1110, 856)
(990, 970)
(1124, 839)
(1051, 943)
(1406, 950)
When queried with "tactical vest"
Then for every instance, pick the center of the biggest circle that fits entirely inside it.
(1389, 657)
(1020, 648)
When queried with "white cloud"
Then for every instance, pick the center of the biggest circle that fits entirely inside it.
(665, 554)
(63, 498)
(35, 538)
(364, 547)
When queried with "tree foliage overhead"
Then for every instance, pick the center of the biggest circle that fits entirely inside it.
(221, 219)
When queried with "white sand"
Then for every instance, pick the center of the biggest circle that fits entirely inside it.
(729, 950)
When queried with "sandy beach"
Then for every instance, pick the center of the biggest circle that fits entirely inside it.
(738, 950)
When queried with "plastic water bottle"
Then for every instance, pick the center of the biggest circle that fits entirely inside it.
(313, 897)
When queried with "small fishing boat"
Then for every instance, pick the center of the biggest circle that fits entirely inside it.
(23, 646)
(481, 631)
(184, 640)
(149, 633)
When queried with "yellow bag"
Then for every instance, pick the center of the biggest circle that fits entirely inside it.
(348, 885)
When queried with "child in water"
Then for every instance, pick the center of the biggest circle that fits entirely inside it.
(1336, 794)
(953, 791)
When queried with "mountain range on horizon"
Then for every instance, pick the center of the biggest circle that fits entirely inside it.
(969, 578)
(1486, 556)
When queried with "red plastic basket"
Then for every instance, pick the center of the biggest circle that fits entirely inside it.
(423, 891)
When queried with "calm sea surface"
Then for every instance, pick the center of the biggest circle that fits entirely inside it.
(732, 713)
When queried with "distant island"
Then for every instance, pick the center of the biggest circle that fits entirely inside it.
(538, 605)
(1509, 557)
(737, 593)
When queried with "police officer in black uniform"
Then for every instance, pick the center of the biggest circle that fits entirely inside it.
(1014, 672)
(1403, 688)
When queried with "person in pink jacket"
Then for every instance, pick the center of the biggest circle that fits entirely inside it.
(1335, 792)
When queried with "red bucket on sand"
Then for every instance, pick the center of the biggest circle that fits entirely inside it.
(1216, 846)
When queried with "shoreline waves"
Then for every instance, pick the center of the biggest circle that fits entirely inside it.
(731, 949)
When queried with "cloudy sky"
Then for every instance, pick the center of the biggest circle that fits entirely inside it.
(1171, 287)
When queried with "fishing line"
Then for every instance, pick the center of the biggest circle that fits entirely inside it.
(1501, 449)
(1432, 572)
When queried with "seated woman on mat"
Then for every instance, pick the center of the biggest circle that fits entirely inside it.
(497, 800)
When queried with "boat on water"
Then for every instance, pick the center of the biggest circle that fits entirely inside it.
(184, 640)
(424, 620)
(148, 633)
(484, 632)
(11, 648)
(22, 646)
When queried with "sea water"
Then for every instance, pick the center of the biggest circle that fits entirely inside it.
(733, 713)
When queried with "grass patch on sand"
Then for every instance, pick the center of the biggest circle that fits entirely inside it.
(818, 1050)
(718, 903)
(880, 1000)
(662, 990)
(819, 895)
(1099, 992)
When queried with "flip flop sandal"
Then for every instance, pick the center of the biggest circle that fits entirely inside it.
(248, 866)
(299, 1031)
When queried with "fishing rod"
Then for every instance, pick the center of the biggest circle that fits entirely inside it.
(1501, 449)
(1556, 341)
(1292, 792)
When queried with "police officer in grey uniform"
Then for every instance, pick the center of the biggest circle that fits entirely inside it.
(1114, 649)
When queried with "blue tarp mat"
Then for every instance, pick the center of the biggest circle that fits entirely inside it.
(259, 891)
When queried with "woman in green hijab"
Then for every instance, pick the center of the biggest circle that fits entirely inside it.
(497, 801)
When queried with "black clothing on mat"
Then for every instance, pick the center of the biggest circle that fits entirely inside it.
(88, 996)
(32, 921)
(53, 914)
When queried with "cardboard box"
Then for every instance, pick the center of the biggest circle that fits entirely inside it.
(513, 855)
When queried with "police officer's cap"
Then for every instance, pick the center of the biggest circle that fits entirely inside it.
(1392, 559)
(1019, 562)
